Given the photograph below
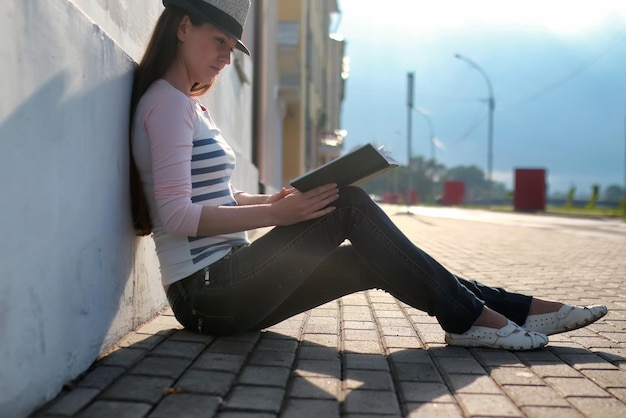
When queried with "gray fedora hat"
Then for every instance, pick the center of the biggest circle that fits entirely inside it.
(228, 15)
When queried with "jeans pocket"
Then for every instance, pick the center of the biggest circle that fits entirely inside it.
(220, 273)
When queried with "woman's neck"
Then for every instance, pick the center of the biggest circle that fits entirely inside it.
(178, 78)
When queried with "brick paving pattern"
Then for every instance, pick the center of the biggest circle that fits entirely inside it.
(370, 355)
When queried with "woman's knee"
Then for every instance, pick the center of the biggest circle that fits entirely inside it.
(354, 195)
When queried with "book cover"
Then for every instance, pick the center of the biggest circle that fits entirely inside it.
(352, 168)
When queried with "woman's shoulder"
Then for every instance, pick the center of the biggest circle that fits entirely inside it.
(161, 95)
(162, 91)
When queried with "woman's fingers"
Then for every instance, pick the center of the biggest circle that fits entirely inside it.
(324, 211)
(298, 207)
(322, 193)
(320, 197)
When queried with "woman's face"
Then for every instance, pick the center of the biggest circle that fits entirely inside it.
(204, 50)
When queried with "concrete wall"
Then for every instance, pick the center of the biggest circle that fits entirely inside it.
(74, 277)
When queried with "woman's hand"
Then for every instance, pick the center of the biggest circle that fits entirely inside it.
(285, 207)
(291, 206)
(279, 195)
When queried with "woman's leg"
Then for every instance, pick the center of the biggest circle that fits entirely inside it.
(341, 273)
(514, 306)
(256, 280)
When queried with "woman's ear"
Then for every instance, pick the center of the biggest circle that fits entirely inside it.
(183, 28)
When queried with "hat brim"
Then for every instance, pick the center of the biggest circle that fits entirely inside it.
(240, 46)
(190, 8)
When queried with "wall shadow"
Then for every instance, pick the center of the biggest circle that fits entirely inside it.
(67, 248)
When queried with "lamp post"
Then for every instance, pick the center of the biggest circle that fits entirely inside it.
(431, 129)
(492, 104)
(624, 191)
(409, 103)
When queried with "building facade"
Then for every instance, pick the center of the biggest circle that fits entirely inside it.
(312, 76)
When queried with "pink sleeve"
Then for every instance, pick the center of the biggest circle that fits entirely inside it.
(170, 128)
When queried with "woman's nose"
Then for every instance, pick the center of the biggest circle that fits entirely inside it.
(226, 56)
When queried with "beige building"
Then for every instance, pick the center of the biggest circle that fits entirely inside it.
(312, 72)
(268, 108)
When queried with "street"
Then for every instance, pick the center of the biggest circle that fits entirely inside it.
(368, 354)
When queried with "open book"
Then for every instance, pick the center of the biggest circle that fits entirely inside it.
(354, 167)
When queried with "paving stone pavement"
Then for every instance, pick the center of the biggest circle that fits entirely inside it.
(368, 355)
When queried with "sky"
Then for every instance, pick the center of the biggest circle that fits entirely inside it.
(557, 69)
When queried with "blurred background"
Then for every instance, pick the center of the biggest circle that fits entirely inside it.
(558, 90)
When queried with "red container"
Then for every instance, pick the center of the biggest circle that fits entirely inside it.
(413, 196)
(530, 189)
(453, 193)
(392, 198)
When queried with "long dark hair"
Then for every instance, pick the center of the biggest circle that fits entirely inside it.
(159, 56)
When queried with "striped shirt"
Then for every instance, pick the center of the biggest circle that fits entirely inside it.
(184, 164)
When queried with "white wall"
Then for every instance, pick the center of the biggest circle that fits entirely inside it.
(74, 278)
(128, 22)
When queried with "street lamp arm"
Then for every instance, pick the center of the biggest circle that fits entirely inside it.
(482, 72)
(429, 120)
(492, 105)
(431, 127)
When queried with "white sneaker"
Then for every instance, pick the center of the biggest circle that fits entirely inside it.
(509, 337)
(565, 319)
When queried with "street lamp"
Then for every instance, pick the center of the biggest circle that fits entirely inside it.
(409, 103)
(623, 203)
(431, 128)
(433, 138)
(492, 104)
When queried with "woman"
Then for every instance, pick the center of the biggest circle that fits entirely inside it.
(216, 281)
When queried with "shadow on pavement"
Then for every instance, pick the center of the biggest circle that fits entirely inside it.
(178, 373)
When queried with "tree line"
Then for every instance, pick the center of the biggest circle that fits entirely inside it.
(428, 178)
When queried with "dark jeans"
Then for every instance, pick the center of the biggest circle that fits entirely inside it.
(294, 268)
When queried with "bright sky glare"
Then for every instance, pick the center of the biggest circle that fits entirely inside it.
(556, 65)
(414, 16)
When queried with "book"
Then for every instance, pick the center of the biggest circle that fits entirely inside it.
(352, 168)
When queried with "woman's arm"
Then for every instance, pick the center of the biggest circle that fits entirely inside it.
(286, 207)
(168, 118)
(244, 199)
(170, 126)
